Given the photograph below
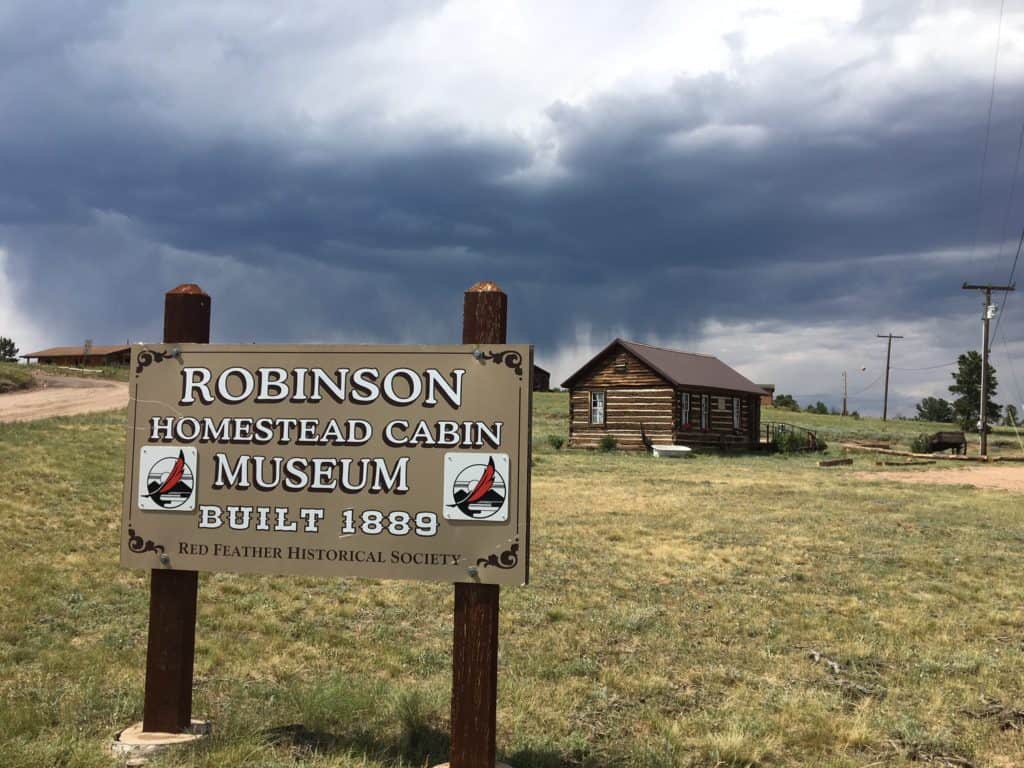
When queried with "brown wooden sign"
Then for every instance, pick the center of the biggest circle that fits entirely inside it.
(408, 462)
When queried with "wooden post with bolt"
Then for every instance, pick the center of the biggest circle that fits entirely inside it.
(172, 594)
(475, 642)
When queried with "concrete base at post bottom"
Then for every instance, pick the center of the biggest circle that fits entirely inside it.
(135, 747)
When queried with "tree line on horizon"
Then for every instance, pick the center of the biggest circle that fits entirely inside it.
(964, 409)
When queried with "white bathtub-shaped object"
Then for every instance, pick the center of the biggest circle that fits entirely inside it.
(671, 451)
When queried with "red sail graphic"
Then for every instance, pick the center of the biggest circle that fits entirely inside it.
(175, 476)
(484, 485)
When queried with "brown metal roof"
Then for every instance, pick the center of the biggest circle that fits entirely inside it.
(680, 368)
(78, 351)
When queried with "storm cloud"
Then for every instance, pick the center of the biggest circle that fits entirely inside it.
(771, 187)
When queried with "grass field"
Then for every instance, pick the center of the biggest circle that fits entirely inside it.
(1002, 440)
(718, 611)
(112, 372)
(14, 377)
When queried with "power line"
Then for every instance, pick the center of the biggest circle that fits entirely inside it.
(1013, 192)
(825, 394)
(988, 132)
(869, 386)
(1016, 384)
(1013, 270)
(927, 367)
(1006, 221)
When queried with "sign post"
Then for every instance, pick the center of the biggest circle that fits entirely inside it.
(172, 594)
(475, 642)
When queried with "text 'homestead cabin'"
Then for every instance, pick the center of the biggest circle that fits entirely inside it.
(634, 391)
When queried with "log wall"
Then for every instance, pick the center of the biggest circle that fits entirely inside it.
(720, 432)
(625, 411)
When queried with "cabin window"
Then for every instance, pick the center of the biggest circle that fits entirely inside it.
(684, 410)
(721, 403)
(620, 365)
(597, 407)
(736, 414)
(705, 412)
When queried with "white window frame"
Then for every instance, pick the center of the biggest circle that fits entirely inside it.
(598, 408)
(705, 413)
(684, 410)
(736, 413)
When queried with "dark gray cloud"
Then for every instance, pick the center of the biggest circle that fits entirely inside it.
(781, 195)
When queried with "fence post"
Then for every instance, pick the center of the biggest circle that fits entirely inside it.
(172, 594)
(475, 644)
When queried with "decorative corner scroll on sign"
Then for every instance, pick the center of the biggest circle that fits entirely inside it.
(149, 356)
(509, 357)
(137, 544)
(506, 560)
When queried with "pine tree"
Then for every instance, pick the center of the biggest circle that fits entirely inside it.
(934, 409)
(8, 352)
(967, 384)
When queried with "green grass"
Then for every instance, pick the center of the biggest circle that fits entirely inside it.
(1002, 440)
(14, 377)
(112, 372)
(672, 620)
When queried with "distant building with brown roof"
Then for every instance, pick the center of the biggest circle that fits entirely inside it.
(636, 393)
(541, 379)
(80, 356)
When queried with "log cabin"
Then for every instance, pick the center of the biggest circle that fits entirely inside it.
(641, 394)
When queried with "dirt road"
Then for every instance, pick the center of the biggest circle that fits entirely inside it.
(1008, 477)
(63, 396)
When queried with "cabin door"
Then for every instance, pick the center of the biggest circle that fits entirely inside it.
(705, 412)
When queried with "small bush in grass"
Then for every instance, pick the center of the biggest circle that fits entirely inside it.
(790, 442)
(556, 441)
(607, 443)
(920, 443)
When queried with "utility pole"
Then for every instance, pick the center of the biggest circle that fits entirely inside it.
(888, 359)
(988, 314)
(862, 369)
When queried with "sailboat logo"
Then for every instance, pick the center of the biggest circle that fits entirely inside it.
(167, 479)
(476, 487)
